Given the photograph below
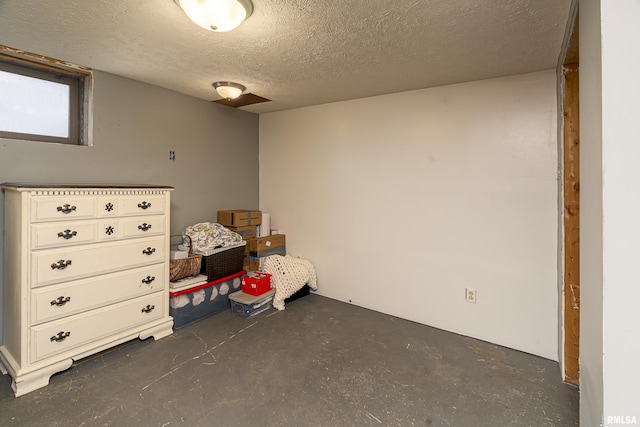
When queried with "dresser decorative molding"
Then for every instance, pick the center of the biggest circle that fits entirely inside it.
(85, 268)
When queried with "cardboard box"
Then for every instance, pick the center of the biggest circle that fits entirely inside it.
(253, 264)
(266, 246)
(256, 283)
(246, 259)
(246, 231)
(239, 217)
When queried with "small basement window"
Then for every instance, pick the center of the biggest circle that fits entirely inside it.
(43, 99)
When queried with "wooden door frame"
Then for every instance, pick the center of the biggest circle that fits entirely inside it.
(570, 163)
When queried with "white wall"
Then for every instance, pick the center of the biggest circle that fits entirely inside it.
(401, 201)
(610, 320)
(591, 369)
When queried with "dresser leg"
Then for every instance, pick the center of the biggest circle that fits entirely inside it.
(27, 383)
(157, 332)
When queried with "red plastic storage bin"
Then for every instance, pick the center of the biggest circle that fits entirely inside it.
(256, 283)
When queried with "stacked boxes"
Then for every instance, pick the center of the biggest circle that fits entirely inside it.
(246, 231)
(264, 247)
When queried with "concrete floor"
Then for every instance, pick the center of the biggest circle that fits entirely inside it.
(320, 362)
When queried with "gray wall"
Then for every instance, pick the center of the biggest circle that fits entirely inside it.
(135, 126)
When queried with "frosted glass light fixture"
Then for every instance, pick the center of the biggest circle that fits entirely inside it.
(229, 90)
(217, 15)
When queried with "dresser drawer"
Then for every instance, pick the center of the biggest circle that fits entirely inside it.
(65, 334)
(61, 234)
(52, 266)
(141, 205)
(57, 234)
(62, 208)
(58, 301)
(142, 226)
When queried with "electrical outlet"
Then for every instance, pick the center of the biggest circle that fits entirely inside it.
(172, 156)
(470, 295)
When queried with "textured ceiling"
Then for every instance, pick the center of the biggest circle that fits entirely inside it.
(296, 52)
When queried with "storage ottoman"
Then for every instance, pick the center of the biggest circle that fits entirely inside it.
(192, 303)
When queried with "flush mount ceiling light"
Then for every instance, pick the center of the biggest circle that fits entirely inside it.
(217, 15)
(229, 90)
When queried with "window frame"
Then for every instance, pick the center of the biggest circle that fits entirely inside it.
(77, 78)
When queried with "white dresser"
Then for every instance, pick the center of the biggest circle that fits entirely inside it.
(85, 268)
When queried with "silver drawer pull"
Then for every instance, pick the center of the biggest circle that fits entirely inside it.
(61, 265)
(61, 336)
(67, 234)
(144, 227)
(144, 205)
(148, 280)
(149, 250)
(60, 301)
(148, 308)
(66, 208)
